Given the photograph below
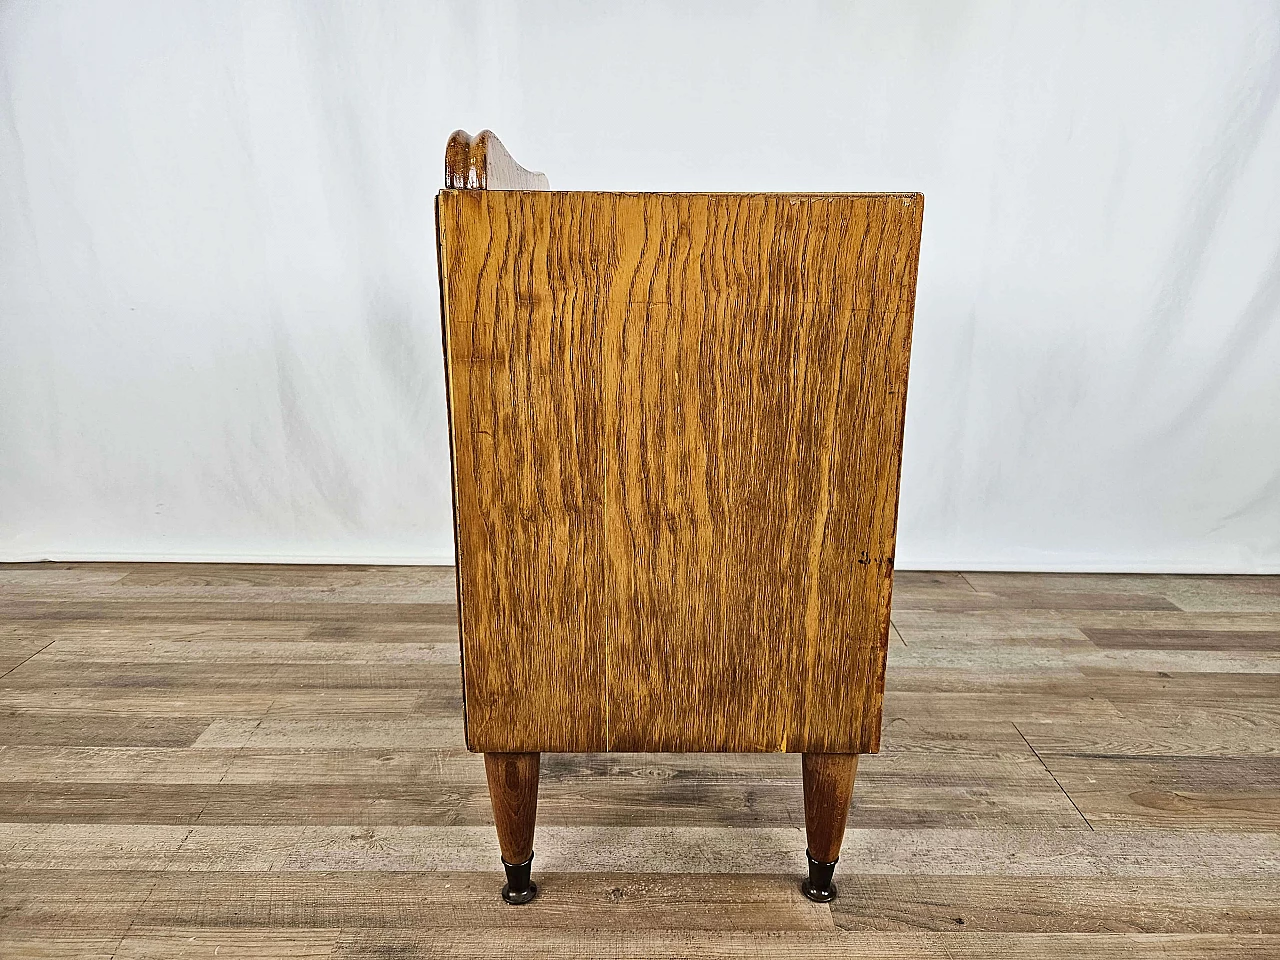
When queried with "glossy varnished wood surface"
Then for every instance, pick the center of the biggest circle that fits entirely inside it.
(513, 789)
(264, 762)
(677, 424)
(828, 786)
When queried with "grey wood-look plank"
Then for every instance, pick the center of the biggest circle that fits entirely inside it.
(81, 764)
(1240, 641)
(1166, 733)
(200, 944)
(1017, 622)
(1214, 794)
(292, 575)
(48, 728)
(60, 574)
(100, 599)
(681, 945)
(59, 946)
(974, 851)
(434, 727)
(1030, 599)
(434, 645)
(1110, 684)
(285, 701)
(103, 632)
(102, 903)
(279, 606)
(1027, 796)
(1001, 904)
(1142, 583)
(432, 679)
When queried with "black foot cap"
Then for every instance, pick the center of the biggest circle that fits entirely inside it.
(819, 887)
(519, 888)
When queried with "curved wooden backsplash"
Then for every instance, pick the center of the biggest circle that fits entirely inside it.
(483, 163)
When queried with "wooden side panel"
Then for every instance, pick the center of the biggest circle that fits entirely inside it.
(677, 425)
(528, 474)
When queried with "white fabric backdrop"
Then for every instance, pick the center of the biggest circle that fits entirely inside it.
(219, 332)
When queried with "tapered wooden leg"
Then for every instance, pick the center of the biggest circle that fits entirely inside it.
(513, 790)
(828, 787)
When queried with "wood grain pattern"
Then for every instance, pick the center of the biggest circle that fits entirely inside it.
(676, 425)
(984, 850)
(483, 163)
(513, 790)
(1058, 904)
(828, 787)
(1189, 793)
(409, 944)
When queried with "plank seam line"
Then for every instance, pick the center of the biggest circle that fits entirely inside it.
(239, 750)
(28, 659)
(137, 911)
(897, 633)
(1036, 753)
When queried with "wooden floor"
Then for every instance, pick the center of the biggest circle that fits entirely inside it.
(241, 761)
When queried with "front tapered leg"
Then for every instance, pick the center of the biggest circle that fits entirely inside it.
(513, 790)
(828, 787)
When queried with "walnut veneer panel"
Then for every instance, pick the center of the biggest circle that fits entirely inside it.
(676, 424)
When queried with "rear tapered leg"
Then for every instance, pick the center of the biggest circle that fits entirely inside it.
(513, 789)
(828, 787)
